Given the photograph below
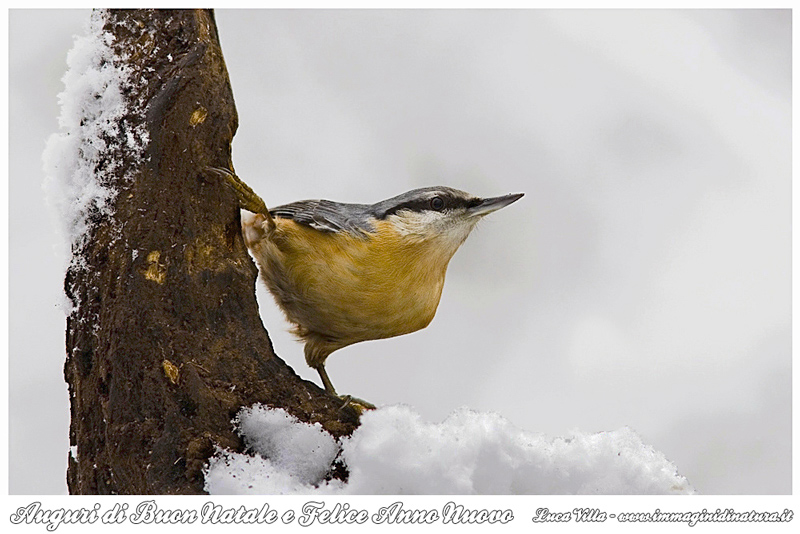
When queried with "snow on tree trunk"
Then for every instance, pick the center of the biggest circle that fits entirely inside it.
(164, 342)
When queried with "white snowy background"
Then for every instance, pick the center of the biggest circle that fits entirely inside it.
(642, 282)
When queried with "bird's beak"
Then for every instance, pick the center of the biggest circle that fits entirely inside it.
(488, 205)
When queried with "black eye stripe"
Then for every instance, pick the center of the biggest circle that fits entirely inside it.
(436, 203)
(420, 200)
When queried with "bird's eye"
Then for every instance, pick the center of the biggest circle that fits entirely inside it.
(437, 203)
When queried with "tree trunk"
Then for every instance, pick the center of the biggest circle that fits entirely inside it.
(164, 343)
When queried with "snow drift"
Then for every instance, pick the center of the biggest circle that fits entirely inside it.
(395, 452)
(96, 121)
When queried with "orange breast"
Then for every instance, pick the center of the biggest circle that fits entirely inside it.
(353, 288)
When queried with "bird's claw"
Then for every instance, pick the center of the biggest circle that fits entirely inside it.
(359, 404)
(248, 199)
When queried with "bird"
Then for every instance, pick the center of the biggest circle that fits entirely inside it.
(345, 273)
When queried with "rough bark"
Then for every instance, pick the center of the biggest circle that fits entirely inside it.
(165, 343)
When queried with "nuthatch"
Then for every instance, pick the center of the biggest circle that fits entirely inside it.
(344, 273)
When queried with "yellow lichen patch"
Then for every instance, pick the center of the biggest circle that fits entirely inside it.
(199, 256)
(198, 116)
(156, 271)
(204, 253)
(171, 371)
(209, 252)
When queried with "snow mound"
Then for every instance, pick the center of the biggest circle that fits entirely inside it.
(395, 452)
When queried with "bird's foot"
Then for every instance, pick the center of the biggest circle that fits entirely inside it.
(248, 199)
(359, 404)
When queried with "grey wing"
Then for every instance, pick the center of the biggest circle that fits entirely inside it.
(328, 216)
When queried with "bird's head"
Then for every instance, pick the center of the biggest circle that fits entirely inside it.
(438, 213)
